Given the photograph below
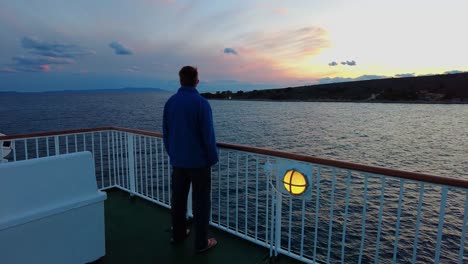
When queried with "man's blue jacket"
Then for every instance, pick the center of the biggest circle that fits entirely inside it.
(189, 136)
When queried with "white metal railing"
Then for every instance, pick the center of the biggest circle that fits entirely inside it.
(356, 214)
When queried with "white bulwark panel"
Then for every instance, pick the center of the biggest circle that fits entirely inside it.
(51, 211)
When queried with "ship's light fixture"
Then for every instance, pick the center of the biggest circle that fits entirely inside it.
(295, 182)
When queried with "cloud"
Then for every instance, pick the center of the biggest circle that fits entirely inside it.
(32, 68)
(334, 80)
(40, 60)
(268, 57)
(42, 54)
(132, 69)
(7, 70)
(120, 49)
(44, 67)
(453, 72)
(403, 75)
(37, 63)
(287, 45)
(160, 2)
(56, 50)
(281, 11)
(349, 63)
(344, 79)
(230, 51)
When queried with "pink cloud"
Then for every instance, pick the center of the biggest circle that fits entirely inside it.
(262, 57)
(281, 11)
(249, 66)
(159, 2)
(84, 72)
(7, 70)
(269, 57)
(287, 44)
(44, 67)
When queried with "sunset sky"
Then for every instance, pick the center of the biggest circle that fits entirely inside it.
(237, 45)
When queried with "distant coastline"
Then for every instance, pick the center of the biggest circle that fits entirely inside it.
(435, 89)
(126, 89)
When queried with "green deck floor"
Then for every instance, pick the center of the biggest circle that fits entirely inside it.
(137, 232)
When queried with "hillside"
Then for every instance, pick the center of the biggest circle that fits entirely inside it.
(447, 88)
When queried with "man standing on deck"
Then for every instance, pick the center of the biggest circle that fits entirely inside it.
(189, 140)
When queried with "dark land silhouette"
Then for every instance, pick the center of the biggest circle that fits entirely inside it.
(446, 88)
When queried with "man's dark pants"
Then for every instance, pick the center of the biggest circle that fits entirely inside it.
(201, 203)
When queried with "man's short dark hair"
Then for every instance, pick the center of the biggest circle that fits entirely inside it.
(188, 76)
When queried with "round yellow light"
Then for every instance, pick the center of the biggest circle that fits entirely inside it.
(295, 182)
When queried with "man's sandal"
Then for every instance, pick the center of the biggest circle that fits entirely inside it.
(211, 244)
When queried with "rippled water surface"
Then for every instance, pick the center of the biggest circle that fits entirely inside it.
(415, 137)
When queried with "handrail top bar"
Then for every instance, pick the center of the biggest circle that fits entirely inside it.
(55, 133)
(416, 176)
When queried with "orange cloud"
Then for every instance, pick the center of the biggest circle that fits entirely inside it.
(277, 57)
(287, 44)
(281, 11)
(248, 66)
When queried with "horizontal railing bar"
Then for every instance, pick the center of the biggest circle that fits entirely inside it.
(138, 131)
(109, 187)
(143, 197)
(272, 240)
(415, 176)
(55, 133)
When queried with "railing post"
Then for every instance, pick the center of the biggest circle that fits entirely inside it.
(57, 146)
(189, 203)
(279, 202)
(131, 162)
(1, 151)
